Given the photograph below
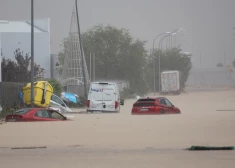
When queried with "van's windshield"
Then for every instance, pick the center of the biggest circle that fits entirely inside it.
(103, 92)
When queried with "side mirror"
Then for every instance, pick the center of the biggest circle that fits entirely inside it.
(63, 105)
(122, 102)
(65, 118)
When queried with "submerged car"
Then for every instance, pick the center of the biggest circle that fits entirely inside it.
(70, 97)
(159, 105)
(35, 114)
(57, 103)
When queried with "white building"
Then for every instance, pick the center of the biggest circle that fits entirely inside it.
(17, 34)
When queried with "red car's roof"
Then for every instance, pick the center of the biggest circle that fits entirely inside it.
(36, 108)
(143, 98)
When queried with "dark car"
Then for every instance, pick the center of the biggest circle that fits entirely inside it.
(159, 105)
(35, 114)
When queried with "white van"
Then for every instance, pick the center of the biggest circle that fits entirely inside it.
(104, 97)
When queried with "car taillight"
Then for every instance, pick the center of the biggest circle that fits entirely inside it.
(88, 103)
(14, 118)
(116, 104)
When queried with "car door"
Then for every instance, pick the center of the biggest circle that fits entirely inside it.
(43, 115)
(108, 99)
(56, 116)
(59, 104)
(170, 107)
(96, 98)
(163, 106)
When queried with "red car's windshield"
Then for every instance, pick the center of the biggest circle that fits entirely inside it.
(146, 100)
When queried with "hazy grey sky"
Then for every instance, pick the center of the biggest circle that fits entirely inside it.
(208, 23)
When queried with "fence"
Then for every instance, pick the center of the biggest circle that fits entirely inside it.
(10, 93)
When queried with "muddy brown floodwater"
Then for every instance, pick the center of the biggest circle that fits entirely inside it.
(122, 140)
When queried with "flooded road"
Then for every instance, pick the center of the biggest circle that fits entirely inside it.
(123, 140)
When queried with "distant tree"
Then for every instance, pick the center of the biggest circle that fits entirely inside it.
(56, 86)
(61, 57)
(9, 70)
(60, 63)
(219, 65)
(233, 63)
(18, 70)
(172, 59)
(118, 55)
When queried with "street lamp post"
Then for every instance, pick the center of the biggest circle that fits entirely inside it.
(32, 54)
(169, 42)
(167, 34)
(180, 31)
(159, 61)
(170, 45)
(154, 80)
(172, 34)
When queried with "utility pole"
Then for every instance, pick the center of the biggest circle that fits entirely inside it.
(94, 67)
(0, 69)
(81, 50)
(32, 54)
(154, 76)
(90, 67)
(224, 58)
(201, 78)
(200, 60)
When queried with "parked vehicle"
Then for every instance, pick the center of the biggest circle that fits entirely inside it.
(104, 97)
(70, 97)
(35, 114)
(58, 103)
(159, 105)
(170, 82)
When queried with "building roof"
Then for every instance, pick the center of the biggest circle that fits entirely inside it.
(40, 25)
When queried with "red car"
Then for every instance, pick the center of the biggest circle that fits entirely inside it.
(35, 114)
(159, 105)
